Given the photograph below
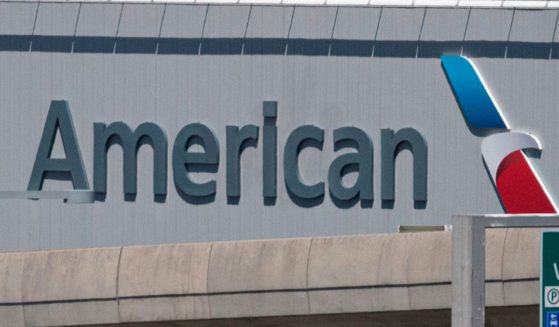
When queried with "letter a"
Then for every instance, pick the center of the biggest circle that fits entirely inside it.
(58, 118)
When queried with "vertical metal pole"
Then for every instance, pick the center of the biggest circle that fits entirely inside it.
(468, 271)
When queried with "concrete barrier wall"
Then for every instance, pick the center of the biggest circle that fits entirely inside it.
(262, 278)
(70, 287)
(285, 277)
(521, 262)
(494, 248)
(166, 282)
(11, 272)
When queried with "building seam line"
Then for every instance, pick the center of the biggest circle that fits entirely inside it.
(203, 29)
(34, 24)
(333, 29)
(118, 26)
(271, 291)
(208, 279)
(376, 32)
(118, 282)
(160, 28)
(309, 310)
(553, 36)
(76, 26)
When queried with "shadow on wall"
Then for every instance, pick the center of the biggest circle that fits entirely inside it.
(277, 46)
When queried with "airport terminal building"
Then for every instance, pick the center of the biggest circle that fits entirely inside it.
(271, 163)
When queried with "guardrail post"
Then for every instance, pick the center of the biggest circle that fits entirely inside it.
(468, 271)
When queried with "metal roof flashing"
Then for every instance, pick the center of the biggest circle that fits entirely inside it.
(504, 4)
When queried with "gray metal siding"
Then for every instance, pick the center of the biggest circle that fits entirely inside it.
(183, 21)
(389, 91)
(401, 24)
(445, 24)
(313, 22)
(140, 20)
(57, 19)
(356, 23)
(17, 17)
(533, 26)
(269, 21)
(489, 24)
(226, 21)
(97, 19)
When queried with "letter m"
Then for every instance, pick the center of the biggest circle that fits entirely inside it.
(120, 133)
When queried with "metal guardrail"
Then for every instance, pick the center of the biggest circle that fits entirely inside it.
(528, 4)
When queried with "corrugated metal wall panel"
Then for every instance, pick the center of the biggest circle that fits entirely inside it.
(183, 21)
(226, 21)
(444, 24)
(269, 22)
(400, 24)
(57, 19)
(357, 23)
(329, 89)
(140, 20)
(98, 19)
(533, 26)
(313, 22)
(17, 17)
(489, 24)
